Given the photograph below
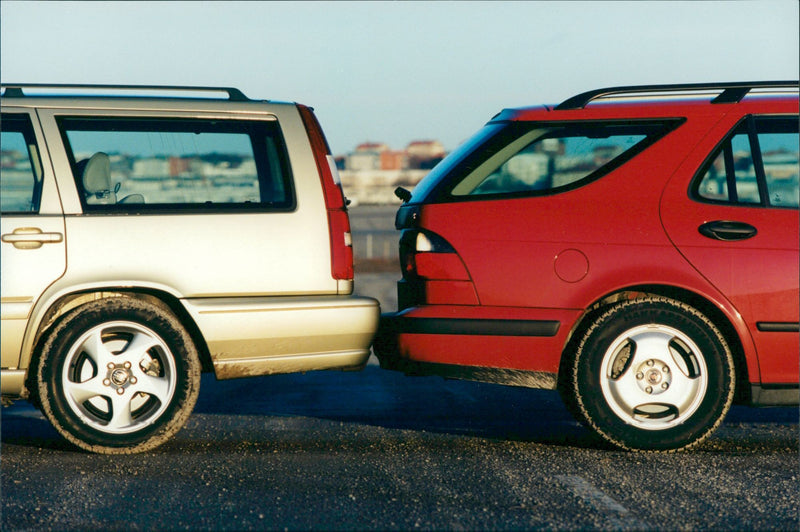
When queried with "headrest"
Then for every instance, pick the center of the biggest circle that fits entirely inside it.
(97, 174)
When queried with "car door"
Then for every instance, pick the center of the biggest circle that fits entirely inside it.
(738, 226)
(32, 240)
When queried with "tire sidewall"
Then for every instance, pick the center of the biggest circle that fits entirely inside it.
(54, 357)
(624, 317)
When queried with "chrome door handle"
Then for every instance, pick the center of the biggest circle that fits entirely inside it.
(31, 238)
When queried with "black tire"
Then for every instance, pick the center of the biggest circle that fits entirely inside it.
(118, 376)
(651, 374)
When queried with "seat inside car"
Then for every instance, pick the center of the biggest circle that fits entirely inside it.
(96, 180)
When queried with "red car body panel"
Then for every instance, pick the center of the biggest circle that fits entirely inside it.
(759, 275)
(550, 258)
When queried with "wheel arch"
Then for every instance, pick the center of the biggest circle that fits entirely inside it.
(701, 303)
(66, 302)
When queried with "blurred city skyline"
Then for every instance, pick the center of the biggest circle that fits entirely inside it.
(397, 72)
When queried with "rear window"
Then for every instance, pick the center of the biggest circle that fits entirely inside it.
(539, 159)
(144, 164)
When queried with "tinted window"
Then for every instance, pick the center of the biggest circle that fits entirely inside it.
(530, 159)
(756, 164)
(20, 167)
(152, 163)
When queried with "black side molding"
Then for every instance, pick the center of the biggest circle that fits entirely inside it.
(765, 326)
(471, 327)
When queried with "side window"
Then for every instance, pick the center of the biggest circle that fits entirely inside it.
(780, 147)
(757, 165)
(20, 166)
(545, 160)
(145, 164)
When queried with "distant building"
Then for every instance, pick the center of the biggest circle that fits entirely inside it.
(361, 161)
(393, 160)
(150, 168)
(372, 171)
(425, 149)
(371, 147)
(366, 156)
(424, 154)
(178, 166)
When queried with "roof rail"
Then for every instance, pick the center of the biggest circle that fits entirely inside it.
(16, 90)
(728, 92)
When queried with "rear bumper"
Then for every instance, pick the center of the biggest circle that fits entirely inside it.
(437, 339)
(261, 336)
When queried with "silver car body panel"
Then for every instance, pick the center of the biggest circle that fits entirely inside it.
(258, 285)
(303, 333)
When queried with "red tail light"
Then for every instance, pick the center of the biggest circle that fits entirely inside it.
(433, 272)
(338, 220)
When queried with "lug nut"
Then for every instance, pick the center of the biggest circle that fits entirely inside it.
(110, 365)
(665, 369)
(106, 382)
(650, 362)
(120, 391)
(127, 365)
(133, 380)
(640, 376)
(649, 389)
(665, 385)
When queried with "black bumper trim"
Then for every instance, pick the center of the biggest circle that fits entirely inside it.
(765, 326)
(470, 327)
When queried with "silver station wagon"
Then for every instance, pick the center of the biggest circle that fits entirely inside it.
(153, 233)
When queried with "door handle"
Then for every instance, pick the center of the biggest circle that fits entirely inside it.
(31, 238)
(727, 231)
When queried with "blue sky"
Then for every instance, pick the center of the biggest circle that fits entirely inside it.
(400, 71)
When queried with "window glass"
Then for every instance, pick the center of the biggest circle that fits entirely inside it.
(714, 185)
(148, 163)
(733, 174)
(542, 160)
(744, 169)
(779, 143)
(20, 167)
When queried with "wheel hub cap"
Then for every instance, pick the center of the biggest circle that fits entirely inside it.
(119, 377)
(653, 376)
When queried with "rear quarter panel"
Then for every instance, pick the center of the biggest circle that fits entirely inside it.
(511, 246)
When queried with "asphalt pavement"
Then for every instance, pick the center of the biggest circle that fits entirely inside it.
(375, 450)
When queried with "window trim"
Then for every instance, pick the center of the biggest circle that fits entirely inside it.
(443, 192)
(260, 159)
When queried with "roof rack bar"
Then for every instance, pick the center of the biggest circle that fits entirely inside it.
(15, 90)
(730, 92)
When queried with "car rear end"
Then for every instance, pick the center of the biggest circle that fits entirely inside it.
(496, 279)
(316, 327)
(614, 249)
(442, 325)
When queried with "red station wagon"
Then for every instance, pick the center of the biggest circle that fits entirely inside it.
(635, 248)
